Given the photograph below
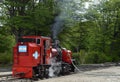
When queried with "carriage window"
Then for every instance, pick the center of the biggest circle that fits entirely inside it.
(22, 48)
(38, 41)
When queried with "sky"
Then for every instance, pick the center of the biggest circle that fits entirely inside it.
(93, 2)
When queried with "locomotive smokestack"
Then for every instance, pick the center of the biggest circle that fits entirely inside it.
(56, 44)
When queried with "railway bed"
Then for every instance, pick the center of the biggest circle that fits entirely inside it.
(88, 67)
(7, 76)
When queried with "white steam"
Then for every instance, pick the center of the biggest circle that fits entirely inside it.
(68, 9)
(55, 68)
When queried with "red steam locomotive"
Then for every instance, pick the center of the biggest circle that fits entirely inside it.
(38, 57)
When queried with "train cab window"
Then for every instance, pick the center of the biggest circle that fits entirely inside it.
(26, 40)
(38, 41)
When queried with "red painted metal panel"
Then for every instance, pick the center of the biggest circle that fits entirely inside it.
(66, 56)
(22, 72)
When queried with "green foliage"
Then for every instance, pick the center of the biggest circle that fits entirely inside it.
(41, 17)
(92, 57)
(6, 40)
(82, 55)
(98, 34)
(6, 44)
(28, 17)
(92, 34)
(6, 48)
(23, 17)
(76, 56)
(6, 58)
(97, 57)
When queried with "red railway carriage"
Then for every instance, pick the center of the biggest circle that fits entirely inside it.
(33, 54)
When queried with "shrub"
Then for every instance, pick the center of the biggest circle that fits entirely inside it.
(6, 48)
(5, 58)
(97, 57)
(76, 56)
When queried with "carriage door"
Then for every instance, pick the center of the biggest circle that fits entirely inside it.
(46, 44)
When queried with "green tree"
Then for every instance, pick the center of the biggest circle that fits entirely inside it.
(98, 32)
(23, 17)
(29, 17)
(104, 36)
(6, 44)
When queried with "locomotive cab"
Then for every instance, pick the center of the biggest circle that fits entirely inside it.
(29, 53)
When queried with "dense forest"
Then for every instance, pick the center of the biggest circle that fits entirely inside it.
(90, 29)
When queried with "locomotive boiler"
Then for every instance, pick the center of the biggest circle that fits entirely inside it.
(40, 57)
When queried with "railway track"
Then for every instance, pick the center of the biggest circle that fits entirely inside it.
(9, 78)
(82, 68)
(88, 67)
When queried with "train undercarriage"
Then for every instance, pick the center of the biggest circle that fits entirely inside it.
(48, 71)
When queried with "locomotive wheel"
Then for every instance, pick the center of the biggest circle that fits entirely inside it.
(65, 69)
(34, 76)
(46, 74)
(72, 68)
(41, 74)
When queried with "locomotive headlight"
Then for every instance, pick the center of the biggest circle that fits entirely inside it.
(22, 48)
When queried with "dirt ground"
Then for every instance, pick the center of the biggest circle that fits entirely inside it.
(111, 74)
